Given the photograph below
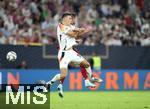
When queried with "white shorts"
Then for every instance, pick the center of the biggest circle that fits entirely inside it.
(65, 57)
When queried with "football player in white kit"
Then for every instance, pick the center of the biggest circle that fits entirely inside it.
(67, 34)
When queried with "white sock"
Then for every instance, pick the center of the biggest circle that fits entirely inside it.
(89, 71)
(55, 78)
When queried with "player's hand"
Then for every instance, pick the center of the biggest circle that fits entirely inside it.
(82, 29)
(89, 29)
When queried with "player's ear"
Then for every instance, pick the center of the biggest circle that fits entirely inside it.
(60, 20)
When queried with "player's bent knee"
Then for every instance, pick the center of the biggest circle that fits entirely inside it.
(85, 64)
(63, 75)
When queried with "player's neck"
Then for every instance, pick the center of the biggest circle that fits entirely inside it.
(64, 23)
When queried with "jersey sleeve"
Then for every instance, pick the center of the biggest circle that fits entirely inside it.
(64, 29)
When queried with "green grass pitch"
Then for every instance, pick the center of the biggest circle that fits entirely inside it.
(90, 100)
(101, 100)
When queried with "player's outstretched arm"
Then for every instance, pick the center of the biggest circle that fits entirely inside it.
(78, 32)
(83, 31)
(73, 33)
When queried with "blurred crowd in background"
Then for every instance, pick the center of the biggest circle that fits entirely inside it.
(113, 22)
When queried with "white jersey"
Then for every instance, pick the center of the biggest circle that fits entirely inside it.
(65, 41)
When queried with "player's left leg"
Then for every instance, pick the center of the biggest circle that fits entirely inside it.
(87, 67)
(82, 69)
(78, 59)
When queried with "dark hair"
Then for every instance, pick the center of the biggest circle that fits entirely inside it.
(73, 14)
(68, 14)
(65, 15)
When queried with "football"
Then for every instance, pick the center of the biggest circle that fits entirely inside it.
(11, 56)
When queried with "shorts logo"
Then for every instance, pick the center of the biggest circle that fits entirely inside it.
(65, 62)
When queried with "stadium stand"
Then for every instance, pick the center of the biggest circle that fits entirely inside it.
(34, 22)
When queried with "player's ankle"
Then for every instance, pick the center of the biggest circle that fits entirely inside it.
(50, 83)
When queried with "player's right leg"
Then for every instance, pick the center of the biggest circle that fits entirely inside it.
(63, 65)
(64, 72)
(58, 77)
